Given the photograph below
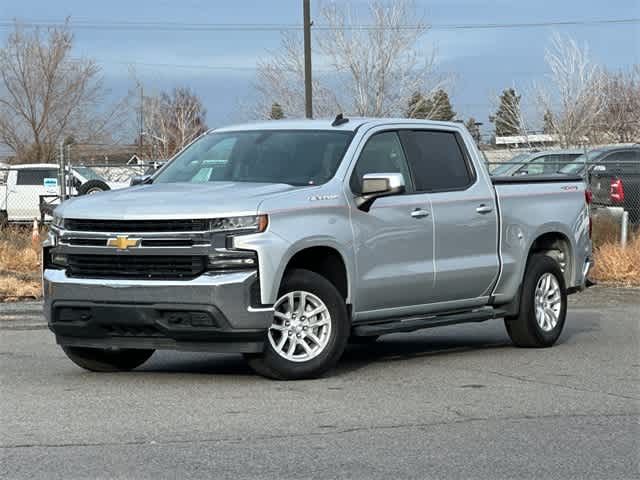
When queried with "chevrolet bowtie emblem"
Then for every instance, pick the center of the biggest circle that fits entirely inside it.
(122, 242)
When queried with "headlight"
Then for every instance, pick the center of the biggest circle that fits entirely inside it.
(252, 223)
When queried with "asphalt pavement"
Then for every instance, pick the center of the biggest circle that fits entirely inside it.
(453, 402)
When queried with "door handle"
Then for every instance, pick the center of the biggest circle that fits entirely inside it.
(419, 213)
(482, 209)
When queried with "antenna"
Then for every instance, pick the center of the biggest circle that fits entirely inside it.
(339, 120)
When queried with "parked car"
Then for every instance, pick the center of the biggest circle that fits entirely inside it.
(24, 184)
(537, 163)
(613, 175)
(285, 240)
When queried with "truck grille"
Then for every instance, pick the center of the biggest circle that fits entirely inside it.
(123, 226)
(159, 267)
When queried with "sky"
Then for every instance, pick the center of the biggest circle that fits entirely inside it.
(478, 62)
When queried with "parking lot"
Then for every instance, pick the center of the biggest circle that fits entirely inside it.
(455, 402)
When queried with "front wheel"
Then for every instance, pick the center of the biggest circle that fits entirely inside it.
(543, 305)
(107, 360)
(309, 331)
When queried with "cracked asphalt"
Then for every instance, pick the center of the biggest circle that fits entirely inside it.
(453, 402)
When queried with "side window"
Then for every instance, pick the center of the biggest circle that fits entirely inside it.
(436, 160)
(34, 176)
(623, 162)
(534, 167)
(382, 154)
(553, 163)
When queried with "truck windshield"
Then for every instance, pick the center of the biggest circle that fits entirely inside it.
(295, 157)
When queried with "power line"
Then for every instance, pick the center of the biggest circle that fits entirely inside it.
(257, 27)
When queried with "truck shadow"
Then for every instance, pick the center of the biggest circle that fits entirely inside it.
(449, 340)
(460, 339)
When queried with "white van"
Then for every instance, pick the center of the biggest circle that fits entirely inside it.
(22, 185)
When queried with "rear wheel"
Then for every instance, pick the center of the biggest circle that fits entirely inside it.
(4, 219)
(543, 305)
(309, 331)
(107, 360)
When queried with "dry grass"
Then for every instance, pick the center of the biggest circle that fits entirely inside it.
(19, 264)
(616, 264)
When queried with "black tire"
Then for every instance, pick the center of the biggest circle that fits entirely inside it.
(523, 329)
(93, 186)
(102, 360)
(270, 364)
(4, 219)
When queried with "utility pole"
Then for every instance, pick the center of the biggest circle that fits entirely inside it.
(308, 106)
(141, 132)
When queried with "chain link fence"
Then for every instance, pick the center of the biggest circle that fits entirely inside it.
(31, 192)
(612, 174)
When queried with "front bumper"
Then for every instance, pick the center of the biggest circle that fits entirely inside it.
(212, 312)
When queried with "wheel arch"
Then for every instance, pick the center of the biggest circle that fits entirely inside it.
(557, 245)
(324, 260)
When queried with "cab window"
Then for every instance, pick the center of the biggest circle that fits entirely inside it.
(382, 154)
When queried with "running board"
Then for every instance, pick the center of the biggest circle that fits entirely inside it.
(410, 324)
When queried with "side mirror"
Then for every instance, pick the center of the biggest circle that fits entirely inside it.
(140, 180)
(377, 185)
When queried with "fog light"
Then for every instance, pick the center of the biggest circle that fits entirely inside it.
(229, 259)
(59, 259)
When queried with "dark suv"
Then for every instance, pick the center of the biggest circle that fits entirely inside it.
(613, 173)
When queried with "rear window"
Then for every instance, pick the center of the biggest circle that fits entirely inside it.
(436, 160)
(35, 176)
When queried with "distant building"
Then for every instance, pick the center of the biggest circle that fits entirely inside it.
(533, 140)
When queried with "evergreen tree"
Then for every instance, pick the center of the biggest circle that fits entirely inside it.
(417, 106)
(507, 118)
(436, 107)
(440, 107)
(474, 129)
(277, 113)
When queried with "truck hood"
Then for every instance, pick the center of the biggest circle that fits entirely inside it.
(173, 201)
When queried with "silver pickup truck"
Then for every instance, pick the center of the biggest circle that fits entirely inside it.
(286, 240)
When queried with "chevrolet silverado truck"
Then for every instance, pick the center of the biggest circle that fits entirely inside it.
(286, 240)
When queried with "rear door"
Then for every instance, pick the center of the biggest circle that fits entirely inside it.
(464, 214)
(23, 196)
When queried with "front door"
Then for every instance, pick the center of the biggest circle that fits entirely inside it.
(393, 240)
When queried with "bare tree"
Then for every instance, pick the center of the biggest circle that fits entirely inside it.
(45, 95)
(620, 117)
(370, 70)
(281, 77)
(572, 96)
(172, 121)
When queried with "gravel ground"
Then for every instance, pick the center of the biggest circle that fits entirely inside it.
(454, 402)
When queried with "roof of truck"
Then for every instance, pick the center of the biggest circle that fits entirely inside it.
(33, 165)
(351, 125)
